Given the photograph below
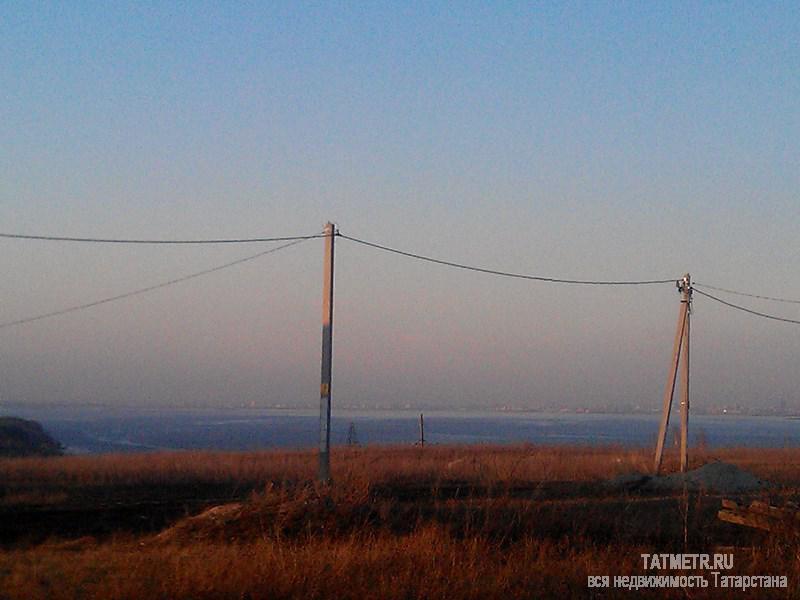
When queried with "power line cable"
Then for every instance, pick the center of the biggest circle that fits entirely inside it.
(719, 289)
(747, 310)
(56, 238)
(151, 288)
(504, 273)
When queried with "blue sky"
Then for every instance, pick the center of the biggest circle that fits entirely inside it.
(597, 140)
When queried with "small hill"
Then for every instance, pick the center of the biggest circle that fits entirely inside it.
(19, 437)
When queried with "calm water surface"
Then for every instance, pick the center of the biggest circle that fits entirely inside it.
(110, 430)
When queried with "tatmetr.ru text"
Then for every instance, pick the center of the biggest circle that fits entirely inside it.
(717, 562)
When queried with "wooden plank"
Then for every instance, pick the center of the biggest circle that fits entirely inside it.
(763, 508)
(748, 520)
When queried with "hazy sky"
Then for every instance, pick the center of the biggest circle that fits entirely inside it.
(583, 140)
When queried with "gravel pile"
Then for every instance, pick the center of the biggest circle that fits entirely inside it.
(719, 477)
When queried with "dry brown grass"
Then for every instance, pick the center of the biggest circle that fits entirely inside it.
(443, 522)
(163, 467)
(474, 463)
(425, 564)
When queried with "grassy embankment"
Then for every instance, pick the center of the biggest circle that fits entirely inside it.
(472, 522)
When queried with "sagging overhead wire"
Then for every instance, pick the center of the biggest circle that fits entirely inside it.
(747, 310)
(57, 238)
(293, 240)
(505, 273)
(151, 288)
(727, 291)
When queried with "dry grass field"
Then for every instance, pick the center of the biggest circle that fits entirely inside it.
(438, 522)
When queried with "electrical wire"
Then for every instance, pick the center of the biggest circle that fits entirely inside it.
(55, 238)
(151, 288)
(719, 289)
(747, 310)
(504, 273)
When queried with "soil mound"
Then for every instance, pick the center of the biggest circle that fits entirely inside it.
(210, 523)
(718, 476)
(274, 513)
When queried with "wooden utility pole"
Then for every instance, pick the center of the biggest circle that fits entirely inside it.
(681, 341)
(324, 474)
(686, 300)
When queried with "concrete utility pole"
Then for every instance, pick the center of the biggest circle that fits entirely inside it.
(327, 358)
(681, 341)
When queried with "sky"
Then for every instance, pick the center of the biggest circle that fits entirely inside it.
(597, 140)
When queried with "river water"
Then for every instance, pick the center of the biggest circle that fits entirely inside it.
(98, 430)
